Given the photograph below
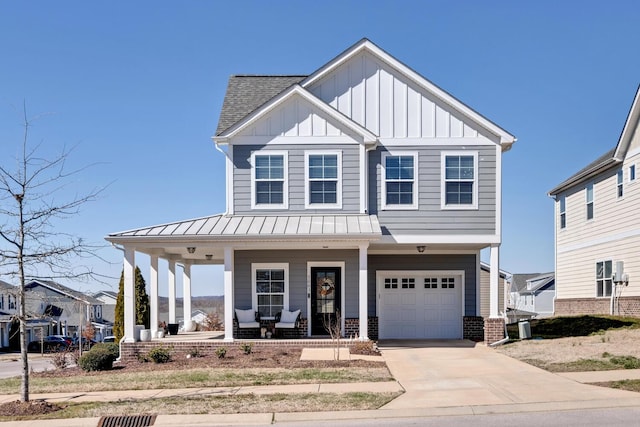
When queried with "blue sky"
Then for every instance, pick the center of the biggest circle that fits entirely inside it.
(139, 86)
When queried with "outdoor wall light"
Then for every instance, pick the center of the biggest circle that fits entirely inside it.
(191, 249)
(421, 248)
(209, 256)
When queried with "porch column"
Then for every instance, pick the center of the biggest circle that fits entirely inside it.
(129, 294)
(186, 297)
(494, 277)
(171, 278)
(228, 294)
(153, 290)
(363, 293)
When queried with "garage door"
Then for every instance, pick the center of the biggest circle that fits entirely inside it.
(422, 306)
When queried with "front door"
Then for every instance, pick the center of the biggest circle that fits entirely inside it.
(325, 298)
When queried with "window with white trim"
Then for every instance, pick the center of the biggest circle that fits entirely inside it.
(448, 282)
(620, 179)
(323, 180)
(270, 284)
(269, 180)
(408, 283)
(399, 185)
(589, 200)
(1, 302)
(604, 278)
(459, 180)
(11, 300)
(391, 283)
(431, 283)
(563, 212)
(632, 173)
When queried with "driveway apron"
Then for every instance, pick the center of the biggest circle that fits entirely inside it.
(463, 373)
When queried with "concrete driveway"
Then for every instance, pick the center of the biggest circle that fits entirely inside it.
(437, 374)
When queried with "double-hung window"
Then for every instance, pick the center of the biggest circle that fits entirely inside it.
(270, 286)
(460, 180)
(399, 184)
(589, 200)
(323, 173)
(632, 173)
(620, 179)
(269, 180)
(563, 212)
(604, 278)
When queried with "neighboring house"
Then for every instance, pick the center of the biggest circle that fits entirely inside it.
(8, 309)
(532, 295)
(108, 299)
(361, 191)
(597, 231)
(66, 308)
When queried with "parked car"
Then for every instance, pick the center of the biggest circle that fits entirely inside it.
(109, 338)
(50, 343)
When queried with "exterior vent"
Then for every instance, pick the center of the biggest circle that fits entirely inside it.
(127, 421)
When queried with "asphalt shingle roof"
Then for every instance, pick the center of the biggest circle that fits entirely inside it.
(66, 290)
(596, 165)
(246, 93)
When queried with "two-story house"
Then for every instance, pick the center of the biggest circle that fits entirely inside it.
(66, 308)
(597, 231)
(362, 190)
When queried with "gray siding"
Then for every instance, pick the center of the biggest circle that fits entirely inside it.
(467, 263)
(297, 261)
(350, 177)
(430, 218)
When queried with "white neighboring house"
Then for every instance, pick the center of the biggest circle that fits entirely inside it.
(532, 295)
(597, 230)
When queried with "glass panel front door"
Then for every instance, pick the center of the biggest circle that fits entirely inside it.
(325, 298)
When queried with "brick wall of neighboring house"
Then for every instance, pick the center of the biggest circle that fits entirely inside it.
(493, 330)
(473, 328)
(627, 306)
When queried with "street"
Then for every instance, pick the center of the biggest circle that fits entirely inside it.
(10, 365)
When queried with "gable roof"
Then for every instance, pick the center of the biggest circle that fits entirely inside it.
(248, 94)
(612, 157)
(365, 44)
(540, 282)
(519, 281)
(6, 286)
(64, 290)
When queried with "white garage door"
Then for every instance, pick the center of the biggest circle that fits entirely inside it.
(420, 305)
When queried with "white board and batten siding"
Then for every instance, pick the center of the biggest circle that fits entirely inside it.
(420, 304)
(613, 234)
(388, 103)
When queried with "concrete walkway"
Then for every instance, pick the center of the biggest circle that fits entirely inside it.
(440, 378)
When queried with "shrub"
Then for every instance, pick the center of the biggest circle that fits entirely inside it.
(59, 360)
(221, 352)
(195, 352)
(112, 348)
(159, 355)
(247, 347)
(96, 359)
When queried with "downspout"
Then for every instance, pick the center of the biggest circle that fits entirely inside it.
(506, 334)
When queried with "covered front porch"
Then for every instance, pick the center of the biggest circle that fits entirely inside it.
(251, 249)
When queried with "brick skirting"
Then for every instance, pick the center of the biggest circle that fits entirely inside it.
(628, 306)
(473, 328)
(493, 330)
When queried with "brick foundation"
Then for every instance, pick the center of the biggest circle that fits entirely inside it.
(628, 306)
(352, 328)
(473, 328)
(493, 330)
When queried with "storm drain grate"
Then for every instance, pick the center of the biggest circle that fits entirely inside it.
(127, 421)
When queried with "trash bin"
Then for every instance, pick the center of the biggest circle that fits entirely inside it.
(524, 329)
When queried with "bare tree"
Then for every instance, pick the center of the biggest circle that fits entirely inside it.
(333, 325)
(31, 243)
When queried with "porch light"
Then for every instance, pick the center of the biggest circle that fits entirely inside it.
(191, 249)
(421, 248)
(209, 256)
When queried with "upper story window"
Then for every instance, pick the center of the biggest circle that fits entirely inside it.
(589, 200)
(269, 186)
(399, 186)
(270, 288)
(323, 175)
(460, 180)
(11, 300)
(1, 302)
(563, 212)
(620, 178)
(604, 278)
(632, 173)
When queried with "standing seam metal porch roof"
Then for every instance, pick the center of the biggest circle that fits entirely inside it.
(264, 226)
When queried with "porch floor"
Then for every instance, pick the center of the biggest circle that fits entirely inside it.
(217, 337)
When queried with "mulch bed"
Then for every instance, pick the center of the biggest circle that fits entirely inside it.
(34, 407)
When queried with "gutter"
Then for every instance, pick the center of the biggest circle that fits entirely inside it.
(583, 176)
